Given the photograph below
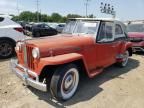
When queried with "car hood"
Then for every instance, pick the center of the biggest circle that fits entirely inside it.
(61, 43)
(136, 35)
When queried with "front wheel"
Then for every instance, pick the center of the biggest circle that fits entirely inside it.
(64, 82)
(125, 59)
(6, 49)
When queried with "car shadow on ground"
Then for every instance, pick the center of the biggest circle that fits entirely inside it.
(139, 53)
(89, 88)
(3, 60)
(8, 59)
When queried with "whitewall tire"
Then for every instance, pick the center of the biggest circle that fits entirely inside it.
(65, 82)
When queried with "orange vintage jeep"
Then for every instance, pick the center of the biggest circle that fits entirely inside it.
(86, 46)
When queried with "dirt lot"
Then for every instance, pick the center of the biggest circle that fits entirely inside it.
(114, 88)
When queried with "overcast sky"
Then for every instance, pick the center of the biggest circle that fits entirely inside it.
(126, 9)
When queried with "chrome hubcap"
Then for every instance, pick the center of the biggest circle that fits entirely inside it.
(125, 58)
(68, 82)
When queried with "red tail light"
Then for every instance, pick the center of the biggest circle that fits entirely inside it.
(19, 29)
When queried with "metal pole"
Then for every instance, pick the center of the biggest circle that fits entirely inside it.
(18, 10)
(86, 10)
(86, 7)
(86, 4)
(37, 10)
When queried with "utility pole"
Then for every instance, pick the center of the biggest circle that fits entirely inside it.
(37, 3)
(17, 8)
(86, 4)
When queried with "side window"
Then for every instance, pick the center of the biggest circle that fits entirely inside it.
(1, 19)
(61, 25)
(46, 26)
(40, 26)
(118, 30)
(106, 32)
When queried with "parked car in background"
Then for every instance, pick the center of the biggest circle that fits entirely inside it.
(57, 62)
(136, 35)
(10, 33)
(40, 30)
(53, 25)
(28, 29)
(22, 23)
(60, 27)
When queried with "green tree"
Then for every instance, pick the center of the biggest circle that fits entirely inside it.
(49, 19)
(74, 16)
(56, 17)
(91, 16)
(15, 18)
(43, 18)
(26, 16)
(64, 19)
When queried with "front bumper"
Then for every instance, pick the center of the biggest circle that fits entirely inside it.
(25, 76)
(138, 46)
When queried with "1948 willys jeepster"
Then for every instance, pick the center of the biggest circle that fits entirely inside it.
(85, 46)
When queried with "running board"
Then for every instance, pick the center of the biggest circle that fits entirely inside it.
(95, 72)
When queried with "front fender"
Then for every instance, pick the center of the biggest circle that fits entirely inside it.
(58, 60)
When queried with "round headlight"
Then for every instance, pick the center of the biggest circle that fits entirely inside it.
(18, 46)
(35, 53)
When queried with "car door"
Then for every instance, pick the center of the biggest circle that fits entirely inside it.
(105, 47)
(39, 28)
(48, 30)
(44, 31)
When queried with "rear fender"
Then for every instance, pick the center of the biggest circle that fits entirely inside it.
(127, 46)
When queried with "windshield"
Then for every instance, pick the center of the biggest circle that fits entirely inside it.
(86, 27)
(135, 28)
(69, 27)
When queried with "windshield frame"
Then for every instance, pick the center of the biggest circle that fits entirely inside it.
(94, 21)
(75, 22)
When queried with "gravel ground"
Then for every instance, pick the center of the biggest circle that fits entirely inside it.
(114, 88)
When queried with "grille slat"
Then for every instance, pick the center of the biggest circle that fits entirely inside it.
(30, 59)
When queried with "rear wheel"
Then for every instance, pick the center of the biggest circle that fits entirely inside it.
(125, 59)
(64, 82)
(6, 49)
